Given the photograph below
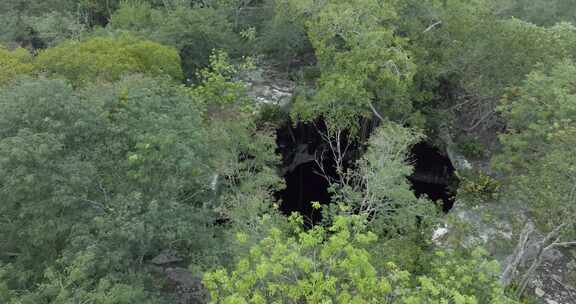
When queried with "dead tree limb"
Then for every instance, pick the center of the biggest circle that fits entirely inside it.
(511, 270)
(432, 26)
(549, 242)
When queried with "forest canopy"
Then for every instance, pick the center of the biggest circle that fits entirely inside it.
(147, 148)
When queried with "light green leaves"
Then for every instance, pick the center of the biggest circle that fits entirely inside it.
(364, 66)
(337, 267)
(315, 267)
(14, 63)
(108, 59)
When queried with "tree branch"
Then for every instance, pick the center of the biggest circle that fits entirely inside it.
(375, 112)
(511, 270)
(432, 26)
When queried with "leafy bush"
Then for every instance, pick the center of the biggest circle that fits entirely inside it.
(365, 68)
(537, 153)
(55, 27)
(471, 148)
(14, 63)
(90, 176)
(477, 187)
(108, 59)
(194, 32)
(334, 266)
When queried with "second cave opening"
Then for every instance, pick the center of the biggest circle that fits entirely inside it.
(433, 175)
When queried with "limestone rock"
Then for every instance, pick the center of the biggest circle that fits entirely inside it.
(267, 86)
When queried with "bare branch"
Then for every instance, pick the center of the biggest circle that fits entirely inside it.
(481, 120)
(432, 26)
(512, 269)
(543, 246)
(375, 112)
(563, 244)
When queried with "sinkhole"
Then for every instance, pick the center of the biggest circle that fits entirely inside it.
(300, 146)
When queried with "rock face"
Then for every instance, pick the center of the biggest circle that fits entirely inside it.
(300, 155)
(181, 285)
(266, 86)
(492, 226)
(188, 288)
(459, 162)
(495, 226)
(550, 283)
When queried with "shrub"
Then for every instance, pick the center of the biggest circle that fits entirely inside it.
(477, 187)
(14, 63)
(108, 59)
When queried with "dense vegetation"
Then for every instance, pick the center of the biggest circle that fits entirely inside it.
(127, 129)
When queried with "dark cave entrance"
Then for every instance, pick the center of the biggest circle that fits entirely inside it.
(433, 175)
(305, 185)
(300, 145)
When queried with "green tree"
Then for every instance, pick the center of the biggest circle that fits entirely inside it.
(247, 187)
(541, 12)
(468, 52)
(537, 149)
(365, 70)
(14, 63)
(333, 265)
(378, 186)
(37, 24)
(108, 59)
(90, 177)
(55, 27)
(194, 32)
(538, 159)
(282, 34)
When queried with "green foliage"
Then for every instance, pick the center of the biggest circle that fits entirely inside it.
(478, 49)
(55, 27)
(476, 187)
(470, 277)
(89, 178)
(70, 182)
(248, 185)
(378, 186)
(194, 32)
(35, 8)
(37, 24)
(105, 160)
(471, 148)
(515, 49)
(468, 52)
(283, 35)
(132, 16)
(542, 12)
(538, 148)
(364, 66)
(108, 59)
(333, 265)
(14, 63)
